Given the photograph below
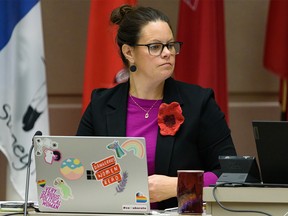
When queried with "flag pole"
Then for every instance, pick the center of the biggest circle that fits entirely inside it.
(284, 101)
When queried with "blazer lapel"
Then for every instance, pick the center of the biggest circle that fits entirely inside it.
(117, 111)
(165, 144)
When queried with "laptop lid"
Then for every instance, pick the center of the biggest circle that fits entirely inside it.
(91, 174)
(271, 139)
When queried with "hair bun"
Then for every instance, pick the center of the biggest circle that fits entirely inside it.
(119, 13)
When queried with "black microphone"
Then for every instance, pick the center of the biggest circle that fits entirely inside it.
(38, 133)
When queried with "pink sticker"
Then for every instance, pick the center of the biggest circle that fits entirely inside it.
(50, 198)
(51, 155)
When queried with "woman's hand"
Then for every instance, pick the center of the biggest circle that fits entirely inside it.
(162, 187)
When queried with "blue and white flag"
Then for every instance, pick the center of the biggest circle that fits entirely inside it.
(23, 90)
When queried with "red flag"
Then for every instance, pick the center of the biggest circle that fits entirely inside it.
(202, 59)
(103, 61)
(276, 47)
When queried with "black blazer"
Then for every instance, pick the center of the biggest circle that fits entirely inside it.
(203, 136)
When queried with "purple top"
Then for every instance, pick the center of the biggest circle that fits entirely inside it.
(139, 126)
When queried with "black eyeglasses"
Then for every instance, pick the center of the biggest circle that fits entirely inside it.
(155, 49)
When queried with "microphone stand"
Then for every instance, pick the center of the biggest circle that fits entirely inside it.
(28, 173)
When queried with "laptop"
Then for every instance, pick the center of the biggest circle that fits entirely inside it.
(271, 138)
(91, 174)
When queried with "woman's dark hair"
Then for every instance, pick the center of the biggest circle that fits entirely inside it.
(131, 20)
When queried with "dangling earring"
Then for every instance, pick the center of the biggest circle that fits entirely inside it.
(132, 68)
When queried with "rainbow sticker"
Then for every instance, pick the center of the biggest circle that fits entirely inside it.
(41, 183)
(140, 198)
(135, 146)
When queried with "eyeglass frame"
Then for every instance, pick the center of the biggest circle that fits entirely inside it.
(163, 45)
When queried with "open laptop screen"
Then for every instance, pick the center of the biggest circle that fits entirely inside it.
(271, 139)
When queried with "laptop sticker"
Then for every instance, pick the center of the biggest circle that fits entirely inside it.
(134, 208)
(72, 169)
(135, 146)
(50, 198)
(51, 155)
(111, 179)
(140, 198)
(117, 148)
(122, 184)
(41, 183)
(107, 171)
(106, 162)
(64, 188)
(45, 143)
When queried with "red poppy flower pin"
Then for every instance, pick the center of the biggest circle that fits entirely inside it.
(170, 118)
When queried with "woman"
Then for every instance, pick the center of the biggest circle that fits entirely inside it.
(183, 126)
